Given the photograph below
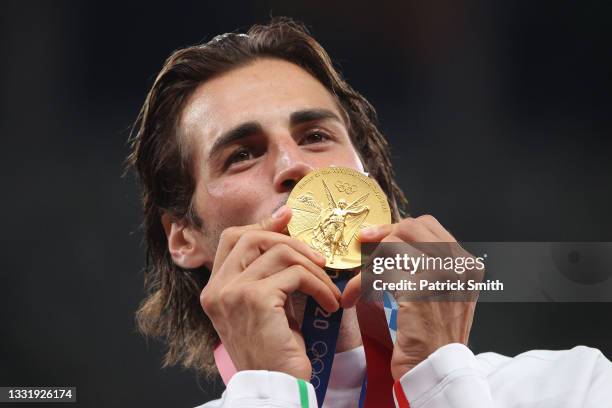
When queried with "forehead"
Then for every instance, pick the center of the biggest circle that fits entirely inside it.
(266, 91)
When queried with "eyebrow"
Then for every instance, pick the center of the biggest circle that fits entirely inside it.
(311, 115)
(251, 128)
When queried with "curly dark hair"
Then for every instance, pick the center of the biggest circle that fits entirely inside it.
(171, 310)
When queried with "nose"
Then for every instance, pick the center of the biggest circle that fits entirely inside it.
(291, 166)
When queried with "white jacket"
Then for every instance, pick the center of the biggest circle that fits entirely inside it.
(451, 377)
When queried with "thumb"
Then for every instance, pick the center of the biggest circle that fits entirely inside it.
(277, 222)
(352, 292)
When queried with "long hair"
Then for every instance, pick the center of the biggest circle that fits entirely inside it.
(171, 310)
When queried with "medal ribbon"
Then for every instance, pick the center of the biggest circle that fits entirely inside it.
(377, 324)
(320, 330)
(376, 338)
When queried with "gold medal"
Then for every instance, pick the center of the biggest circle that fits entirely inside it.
(330, 206)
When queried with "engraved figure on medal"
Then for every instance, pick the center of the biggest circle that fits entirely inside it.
(330, 227)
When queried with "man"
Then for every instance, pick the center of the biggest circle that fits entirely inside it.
(227, 130)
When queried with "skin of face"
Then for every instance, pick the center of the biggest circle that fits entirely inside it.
(244, 181)
(288, 124)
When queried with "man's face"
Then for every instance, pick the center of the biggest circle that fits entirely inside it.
(256, 131)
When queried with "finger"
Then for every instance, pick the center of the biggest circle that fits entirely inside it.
(448, 245)
(411, 230)
(352, 292)
(425, 234)
(281, 257)
(375, 233)
(298, 278)
(252, 244)
(436, 228)
(277, 222)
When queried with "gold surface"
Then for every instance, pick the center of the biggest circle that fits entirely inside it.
(330, 206)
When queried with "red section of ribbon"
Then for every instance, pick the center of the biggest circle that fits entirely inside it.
(378, 350)
(402, 401)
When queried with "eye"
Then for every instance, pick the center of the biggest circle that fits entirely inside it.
(241, 154)
(316, 136)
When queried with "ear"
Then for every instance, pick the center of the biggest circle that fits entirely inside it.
(184, 243)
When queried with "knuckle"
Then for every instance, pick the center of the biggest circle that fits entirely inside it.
(249, 236)
(282, 248)
(282, 254)
(286, 252)
(207, 300)
(407, 223)
(297, 269)
(300, 271)
(230, 233)
(428, 218)
(227, 296)
(406, 227)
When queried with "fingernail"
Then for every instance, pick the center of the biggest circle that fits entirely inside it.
(279, 212)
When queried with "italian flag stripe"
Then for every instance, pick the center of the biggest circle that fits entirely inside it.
(303, 393)
(400, 398)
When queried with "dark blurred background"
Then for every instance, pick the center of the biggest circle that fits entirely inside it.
(499, 115)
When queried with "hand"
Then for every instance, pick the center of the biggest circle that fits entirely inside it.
(423, 326)
(247, 298)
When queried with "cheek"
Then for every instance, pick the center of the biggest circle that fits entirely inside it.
(353, 161)
(342, 157)
(234, 202)
(353, 158)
